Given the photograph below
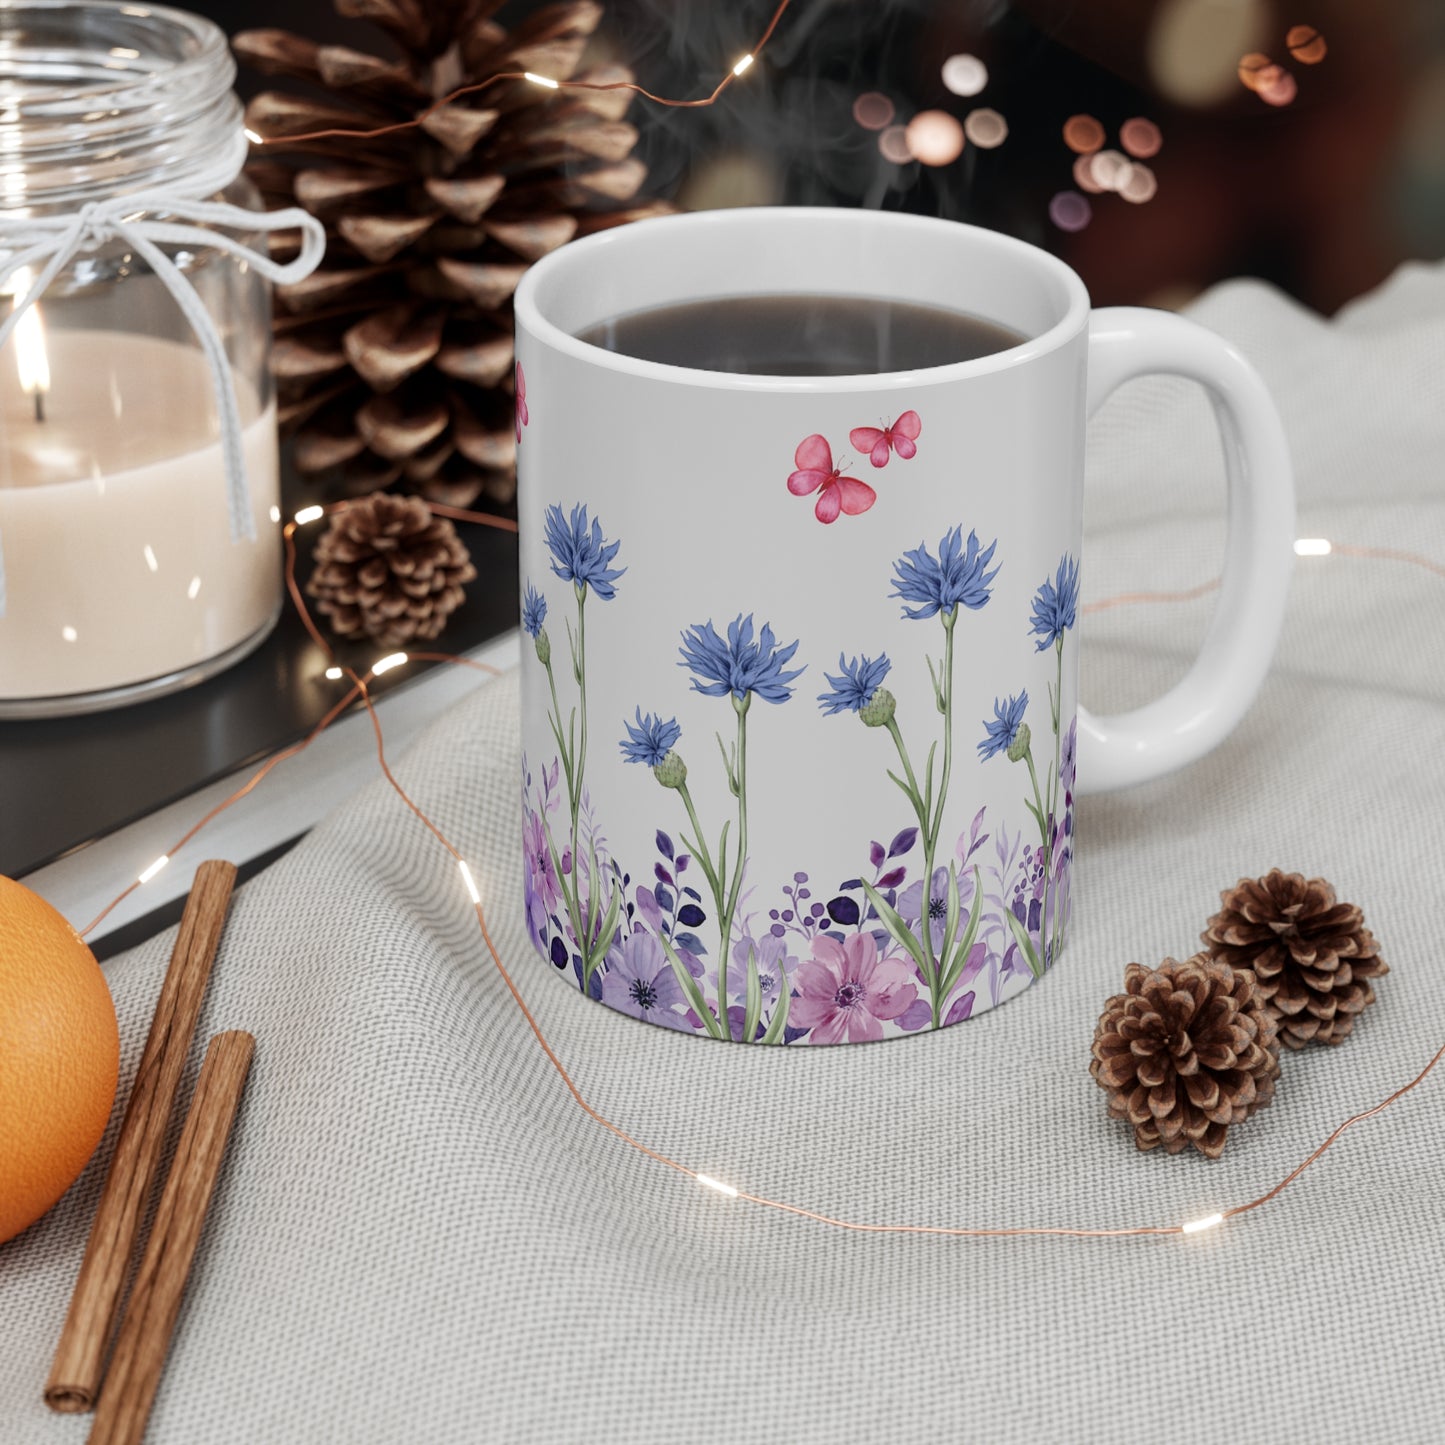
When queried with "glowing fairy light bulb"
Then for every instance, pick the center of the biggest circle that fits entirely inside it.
(1197, 1226)
(149, 873)
(542, 80)
(471, 882)
(708, 1182)
(1313, 547)
(742, 64)
(385, 664)
(309, 514)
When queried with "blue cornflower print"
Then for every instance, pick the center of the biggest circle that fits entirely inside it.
(579, 553)
(1056, 605)
(740, 665)
(957, 575)
(999, 734)
(852, 691)
(534, 611)
(650, 741)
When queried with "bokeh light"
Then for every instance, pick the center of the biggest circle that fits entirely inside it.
(893, 142)
(1083, 134)
(1084, 175)
(1139, 185)
(985, 128)
(1277, 86)
(1140, 137)
(934, 137)
(1070, 211)
(1252, 66)
(1194, 46)
(965, 74)
(1110, 170)
(873, 110)
(1306, 44)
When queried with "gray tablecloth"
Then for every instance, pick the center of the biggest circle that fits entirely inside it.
(419, 1237)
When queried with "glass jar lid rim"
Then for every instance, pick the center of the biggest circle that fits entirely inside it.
(206, 50)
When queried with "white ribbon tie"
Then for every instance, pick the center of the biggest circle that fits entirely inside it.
(52, 242)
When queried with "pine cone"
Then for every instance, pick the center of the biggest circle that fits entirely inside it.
(1313, 957)
(394, 360)
(1185, 1051)
(388, 570)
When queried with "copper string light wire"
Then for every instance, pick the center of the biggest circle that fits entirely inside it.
(1306, 547)
(547, 82)
(359, 689)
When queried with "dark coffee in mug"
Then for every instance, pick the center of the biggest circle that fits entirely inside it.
(801, 335)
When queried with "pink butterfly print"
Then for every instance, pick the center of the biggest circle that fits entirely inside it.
(901, 436)
(521, 409)
(836, 493)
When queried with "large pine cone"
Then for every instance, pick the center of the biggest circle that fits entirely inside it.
(388, 570)
(1313, 957)
(394, 359)
(1185, 1051)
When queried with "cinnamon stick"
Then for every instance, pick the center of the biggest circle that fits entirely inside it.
(75, 1372)
(155, 1298)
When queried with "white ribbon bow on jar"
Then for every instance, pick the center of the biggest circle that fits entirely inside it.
(52, 242)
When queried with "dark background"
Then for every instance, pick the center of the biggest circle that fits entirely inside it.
(1323, 196)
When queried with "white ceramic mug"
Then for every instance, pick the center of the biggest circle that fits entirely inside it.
(798, 780)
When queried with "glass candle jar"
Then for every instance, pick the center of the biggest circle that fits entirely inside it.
(134, 562)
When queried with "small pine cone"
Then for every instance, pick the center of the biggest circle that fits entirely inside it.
(388, 570)
(1185, 1051)
(1313, 957)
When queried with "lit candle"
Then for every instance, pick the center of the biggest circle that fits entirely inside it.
(120, 564)
(31, 359)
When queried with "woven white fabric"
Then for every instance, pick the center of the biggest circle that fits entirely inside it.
(419, 1237)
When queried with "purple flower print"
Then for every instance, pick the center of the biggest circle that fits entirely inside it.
(913, 907)
(580, 554)
(741, 664)
(541, 874)
(1055, 605)
(846, 992)
(538, 923)
(639, 981)
(939, 584)
(770, 954)
(1069, 765)
(962, 1009)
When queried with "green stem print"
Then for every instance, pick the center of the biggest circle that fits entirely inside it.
(581, 556)
(747, 663)
(1055, 609)
(941, 586)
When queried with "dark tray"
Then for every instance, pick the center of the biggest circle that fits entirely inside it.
(66, 781)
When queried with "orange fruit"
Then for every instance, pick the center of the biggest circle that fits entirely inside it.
(59, 1056)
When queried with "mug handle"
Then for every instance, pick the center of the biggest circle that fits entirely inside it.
(1204, 706)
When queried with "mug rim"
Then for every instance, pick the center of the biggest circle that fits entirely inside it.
(530, 316)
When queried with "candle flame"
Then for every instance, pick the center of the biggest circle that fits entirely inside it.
(31, 359)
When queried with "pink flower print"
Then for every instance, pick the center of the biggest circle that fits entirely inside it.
(541, 874)
(901, 435)
(836, 493)
(520, 386)
(846, 992)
